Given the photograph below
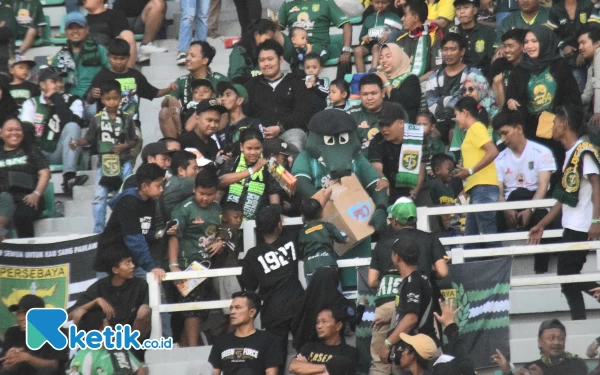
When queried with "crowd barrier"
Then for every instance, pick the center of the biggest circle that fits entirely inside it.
(458, 255)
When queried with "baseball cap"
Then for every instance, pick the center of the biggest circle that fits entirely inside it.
(50, 72)
(403, 211)
(275, 146)
(27, 302)
(22, 60)
(208, 104)
(75, 17)
(474, 2)
(239, 89)
(423, 345)
(199, 82)
(391, 112)
(156, 148)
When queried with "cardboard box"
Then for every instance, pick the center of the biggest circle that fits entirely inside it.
(349, 209)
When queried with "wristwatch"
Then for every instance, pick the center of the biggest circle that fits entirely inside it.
(470, 171)
(347, 49)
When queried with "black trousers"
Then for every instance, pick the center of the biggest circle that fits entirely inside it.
(281, 329)
(571, 263)
(248, 11)
(25, 216)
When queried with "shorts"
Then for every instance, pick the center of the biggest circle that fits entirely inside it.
(369, 46)
(203, 292)
(225, 286)
(7, 205)
(136, 24)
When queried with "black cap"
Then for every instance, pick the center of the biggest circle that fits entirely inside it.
(156, 148)
(474, 2)
(391, 112)
(208, 104)
(50, 72)
(201, 82)
(275, 146)
(332, 122)
(28, 302)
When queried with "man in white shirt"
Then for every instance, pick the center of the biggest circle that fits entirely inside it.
(524, 169)
(580, 213)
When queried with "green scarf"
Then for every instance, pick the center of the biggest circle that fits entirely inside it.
(410, 157)
(568, 190)
(120, 361)
(111, 133)
(421, 53)
(396, 82)
(255, 190)
(563, 357)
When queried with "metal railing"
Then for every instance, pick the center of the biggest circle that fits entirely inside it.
(458, 255)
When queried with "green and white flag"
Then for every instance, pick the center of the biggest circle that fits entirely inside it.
(410, 156)
(481, 290)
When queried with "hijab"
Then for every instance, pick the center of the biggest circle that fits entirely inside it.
(548, 50)
(401, 61)
(487, 98)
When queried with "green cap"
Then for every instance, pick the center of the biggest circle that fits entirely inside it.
(403, 211)
(239, 89)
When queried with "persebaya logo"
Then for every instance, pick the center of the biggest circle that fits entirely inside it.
(43, 326)
(571, 180)
(409, 159)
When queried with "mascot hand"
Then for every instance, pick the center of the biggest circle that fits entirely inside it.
(379, 220)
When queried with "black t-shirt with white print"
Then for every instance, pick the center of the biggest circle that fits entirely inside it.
(273, 270)
(248, 355)
(415, 296)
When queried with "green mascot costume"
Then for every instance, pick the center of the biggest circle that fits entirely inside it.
(332, 152)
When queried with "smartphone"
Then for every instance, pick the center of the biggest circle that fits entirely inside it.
(455, 171)
(171, 224)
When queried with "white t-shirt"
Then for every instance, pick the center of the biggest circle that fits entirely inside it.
(522, 172)
(579, 218)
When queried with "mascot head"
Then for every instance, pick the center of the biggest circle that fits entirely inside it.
(332, 140)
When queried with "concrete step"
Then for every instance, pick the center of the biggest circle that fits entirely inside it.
(64, 226)
(78, 208)
(543, 299)
(56, 14)
(82, 193)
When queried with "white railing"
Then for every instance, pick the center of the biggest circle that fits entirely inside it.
(458, 255)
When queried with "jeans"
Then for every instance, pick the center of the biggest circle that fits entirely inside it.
(483, 222)
(72, 6)
(193, 13)
(89, 111)
(100, 193)
(165, 317)
(63, 153)
(500, 17)
(580, 74)
(248, 11)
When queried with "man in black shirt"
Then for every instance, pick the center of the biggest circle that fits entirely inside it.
(384, 276)
(18, 359)
(414, 303)
(234, 97)
(130, 224)
(122, 297)
(513, 41)
(272, 268)
(246, 349)
(384, 150)
(208, 113)
(330, 352)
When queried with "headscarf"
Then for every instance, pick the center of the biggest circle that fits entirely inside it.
(548, 50)
(401, 61)
(487, 99)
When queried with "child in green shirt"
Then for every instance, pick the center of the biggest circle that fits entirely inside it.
(316, 237)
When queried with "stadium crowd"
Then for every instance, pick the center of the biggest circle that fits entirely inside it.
(463, 103)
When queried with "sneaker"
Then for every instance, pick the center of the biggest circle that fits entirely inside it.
(150, 48)
(142, 57)
(181, 58)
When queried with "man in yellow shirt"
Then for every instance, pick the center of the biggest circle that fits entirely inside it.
(441, 12)
(479, 171)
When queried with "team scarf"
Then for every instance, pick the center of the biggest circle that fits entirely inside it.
(88, 56)
(120, 361)
(396, 82)
(410, 157)
(421, 53)
(255, 189)
(568, 190)
(562, 358)
(110, 134)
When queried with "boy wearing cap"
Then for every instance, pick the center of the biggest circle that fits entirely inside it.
(20, 88)
(234, 97)
(414, 302)
(81, 59)
(31, 20)
(56, 119)
(481, 39)
(17, 358)
(153, 153)
(208, 119)
(201, 89)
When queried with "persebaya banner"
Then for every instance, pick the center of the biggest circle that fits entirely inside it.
(481, 290)
(57, 272)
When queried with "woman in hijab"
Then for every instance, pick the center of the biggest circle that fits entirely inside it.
(542, 82)
(399, 84)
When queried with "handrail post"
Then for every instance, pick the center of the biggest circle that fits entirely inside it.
(598, 259)
(458, 255)
(249, 235)
(423, 219)
(154, 301)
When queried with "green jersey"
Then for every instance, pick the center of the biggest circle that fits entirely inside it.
(566, 28)
(29, 15)
(177, 190)
(367, 125)
(316, 245)
(184, 86)
(541, 91)
(102, 361)
(481, 45)
(314, 16)
(241, 64)
(197, 230)
(375, 23)
(516, 21)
